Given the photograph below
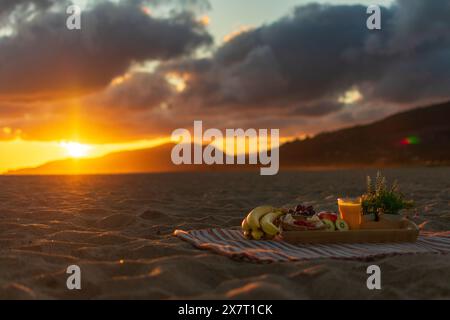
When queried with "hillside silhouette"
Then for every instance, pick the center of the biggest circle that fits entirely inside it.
(416, 137)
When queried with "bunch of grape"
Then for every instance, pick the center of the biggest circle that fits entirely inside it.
(301, 210)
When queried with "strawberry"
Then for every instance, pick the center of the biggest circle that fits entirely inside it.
(328, 216)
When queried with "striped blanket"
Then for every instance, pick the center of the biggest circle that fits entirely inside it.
(231, 243)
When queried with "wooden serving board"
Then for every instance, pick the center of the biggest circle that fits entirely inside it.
(386, 230)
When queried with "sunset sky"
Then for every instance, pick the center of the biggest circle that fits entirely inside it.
(140, 69)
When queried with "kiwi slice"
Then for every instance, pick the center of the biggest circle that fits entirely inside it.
(329, 225)
(341, 225)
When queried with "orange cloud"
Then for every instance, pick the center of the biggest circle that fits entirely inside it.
(236, 33)
(204, 20)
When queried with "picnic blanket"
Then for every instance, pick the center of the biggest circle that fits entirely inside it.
(231, 243)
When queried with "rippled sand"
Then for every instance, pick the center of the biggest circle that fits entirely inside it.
(118, 229)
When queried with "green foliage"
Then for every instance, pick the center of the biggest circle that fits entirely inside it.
(380, 199)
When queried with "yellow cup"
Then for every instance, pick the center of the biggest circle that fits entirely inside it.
(350, 210)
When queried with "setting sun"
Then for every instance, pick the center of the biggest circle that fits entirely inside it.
(75, 149)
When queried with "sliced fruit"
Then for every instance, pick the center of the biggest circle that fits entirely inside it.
(267, 225)
(341, 225)
(257, 234)
(256, 214)
(328, 215)
(304, 223)
(329, 225)
(292, 227)
(288, 219)
(309, 225)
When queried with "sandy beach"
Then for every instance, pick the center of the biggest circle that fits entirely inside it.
(118, 229)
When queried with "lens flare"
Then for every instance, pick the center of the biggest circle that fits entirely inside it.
(411, 140)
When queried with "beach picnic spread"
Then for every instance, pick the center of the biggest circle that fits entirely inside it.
(364, 227)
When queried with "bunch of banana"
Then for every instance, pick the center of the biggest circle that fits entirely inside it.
(259, 223)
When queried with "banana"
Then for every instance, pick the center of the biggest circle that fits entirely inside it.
(245, 226)
(248, 235)
(256, 214)
(267, 223)
(257, 234)
(268, 237)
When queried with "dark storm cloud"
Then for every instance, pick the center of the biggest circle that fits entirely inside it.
(309, 59)
(318, 109)
(44, 58)
(298, 69)
(183, 5)
(13, 12)
(417, 53)
(311, 55)
(7, 6)
(139, 91)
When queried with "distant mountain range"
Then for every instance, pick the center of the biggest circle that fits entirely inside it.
(416, 137)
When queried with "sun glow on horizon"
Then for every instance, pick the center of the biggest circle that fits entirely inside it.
(28, 154)
(75, 149)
